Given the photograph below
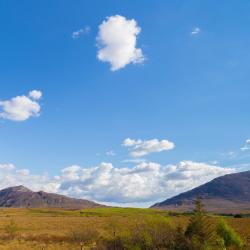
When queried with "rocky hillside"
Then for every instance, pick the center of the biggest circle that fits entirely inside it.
(226, 194)
(21, 196)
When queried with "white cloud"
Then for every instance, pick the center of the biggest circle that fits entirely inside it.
(131, 142)
(232, 154)
(117, 38)
(35, 94)
(214, 162)
(21, 108)
(145, 183)
(140, 148)
(82, 31)
(110, 153)
(246, 146)
(195, 31)
(137, 160)
(11, 176)
(6, 167)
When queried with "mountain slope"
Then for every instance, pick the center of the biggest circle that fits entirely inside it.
(21, 196)
(226, 194)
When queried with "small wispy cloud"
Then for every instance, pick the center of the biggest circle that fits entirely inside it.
(82, 31)
(138, 160)
(110, 153)
(215, 162)
(231, 155)
(246, 146)
(240, 153)
(195, 31)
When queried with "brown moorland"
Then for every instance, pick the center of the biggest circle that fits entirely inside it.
(68, 229)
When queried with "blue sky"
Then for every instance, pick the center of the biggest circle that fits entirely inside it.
(191, 87)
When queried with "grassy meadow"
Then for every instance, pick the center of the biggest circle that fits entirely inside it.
(46, 229)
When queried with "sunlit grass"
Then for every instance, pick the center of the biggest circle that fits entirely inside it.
(53, 228)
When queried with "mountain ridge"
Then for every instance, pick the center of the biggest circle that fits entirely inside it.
(22, 197)
(226, 194)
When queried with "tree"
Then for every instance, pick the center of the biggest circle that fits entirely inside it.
(200, 231)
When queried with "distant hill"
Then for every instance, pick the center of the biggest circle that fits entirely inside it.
(21, 196)
(226, 194)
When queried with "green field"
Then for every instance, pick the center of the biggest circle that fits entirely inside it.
(63, 229)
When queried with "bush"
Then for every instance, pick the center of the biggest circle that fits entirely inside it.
(180, 241)
(150, 234)
(155, 233)
(11, 229)
(228, 235)
(238, 216)
(84, 235)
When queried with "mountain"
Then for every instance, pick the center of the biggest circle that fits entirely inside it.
(21, 196)
(226, 194)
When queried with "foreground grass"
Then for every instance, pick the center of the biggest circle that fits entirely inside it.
(58, 229)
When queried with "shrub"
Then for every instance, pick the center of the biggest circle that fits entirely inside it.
(238, 216)
(228, 235)
(116, 243)
(149, 234)
(11, 229)
(180, 241)
(83, 235)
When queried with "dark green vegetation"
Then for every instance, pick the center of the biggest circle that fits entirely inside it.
(203, 233)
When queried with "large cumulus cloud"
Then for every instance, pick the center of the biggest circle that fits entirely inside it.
(145, 183)
(117, 38)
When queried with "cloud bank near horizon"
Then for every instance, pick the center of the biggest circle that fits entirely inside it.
(146, 182)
